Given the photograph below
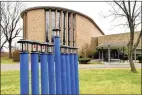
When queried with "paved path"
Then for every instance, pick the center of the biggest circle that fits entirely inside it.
(6, 67)
(105, 66)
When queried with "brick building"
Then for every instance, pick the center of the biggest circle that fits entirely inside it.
(77, 29)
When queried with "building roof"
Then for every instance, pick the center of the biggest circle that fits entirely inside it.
(113, 45)
(64, 9)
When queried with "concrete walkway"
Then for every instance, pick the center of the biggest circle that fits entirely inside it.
(106, 66)
(6, 67)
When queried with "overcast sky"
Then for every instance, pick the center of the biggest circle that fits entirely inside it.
(91, 9)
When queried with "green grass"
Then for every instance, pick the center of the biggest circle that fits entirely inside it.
(97, 81)
(6, 60)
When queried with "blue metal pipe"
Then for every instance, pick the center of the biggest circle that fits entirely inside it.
(67, 56)
(35, 72)
(63, 73)
(76, 73)
(24, 73)
(51, 65)
(44, 73)
(72, 70)
(57, 65)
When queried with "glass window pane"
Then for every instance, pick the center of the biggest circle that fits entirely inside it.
(73, 25)
(69, 20)
(53, 25)
(64, 39)
(47, 25)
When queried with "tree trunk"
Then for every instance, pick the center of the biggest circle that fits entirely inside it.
(10, 52)
(133, 69)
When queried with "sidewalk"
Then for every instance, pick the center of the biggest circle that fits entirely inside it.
(6, 67)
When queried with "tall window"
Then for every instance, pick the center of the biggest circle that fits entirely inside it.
(64, 28)
(73, 25)
(69, 22)
(53, 25)
(47, 25)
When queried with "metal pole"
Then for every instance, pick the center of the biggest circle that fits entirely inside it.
(99, 54)
(123, 54)
(57, 65)
(72, 70)
(109, 53)
(63, 71)
(35, 72)
(76, 73)
(118, 53)
(135, 55)
(51, 65)
(24, 73)
(68, 71)
(102, 54)
(44, 73)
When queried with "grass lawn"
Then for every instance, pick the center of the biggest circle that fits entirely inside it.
(95, 81)
(6, 60)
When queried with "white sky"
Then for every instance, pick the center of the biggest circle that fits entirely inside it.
(91, 9)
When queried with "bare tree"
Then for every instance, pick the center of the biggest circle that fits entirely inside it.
(10, 16)
(130, 14)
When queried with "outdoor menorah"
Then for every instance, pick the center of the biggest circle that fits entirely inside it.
(59, 67)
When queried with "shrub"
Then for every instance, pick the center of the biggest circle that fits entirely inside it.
(140, 59)
(90, 56)
(84, 60)
(80, 56)
(125, 58)
(16, 56)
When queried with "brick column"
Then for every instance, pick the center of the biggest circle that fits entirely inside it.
(66, 28)
(56, 18)
(71, 29)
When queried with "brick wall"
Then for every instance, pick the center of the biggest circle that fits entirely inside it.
(85, 30)
(118, 38)
(36, 25)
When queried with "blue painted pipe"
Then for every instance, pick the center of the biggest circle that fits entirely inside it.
(76, 73)
(72, 70)
(24, 73)
(67, 56)
(57, 65)
(63, 73)
(51, 65)
(35, 73)
(44, 73)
